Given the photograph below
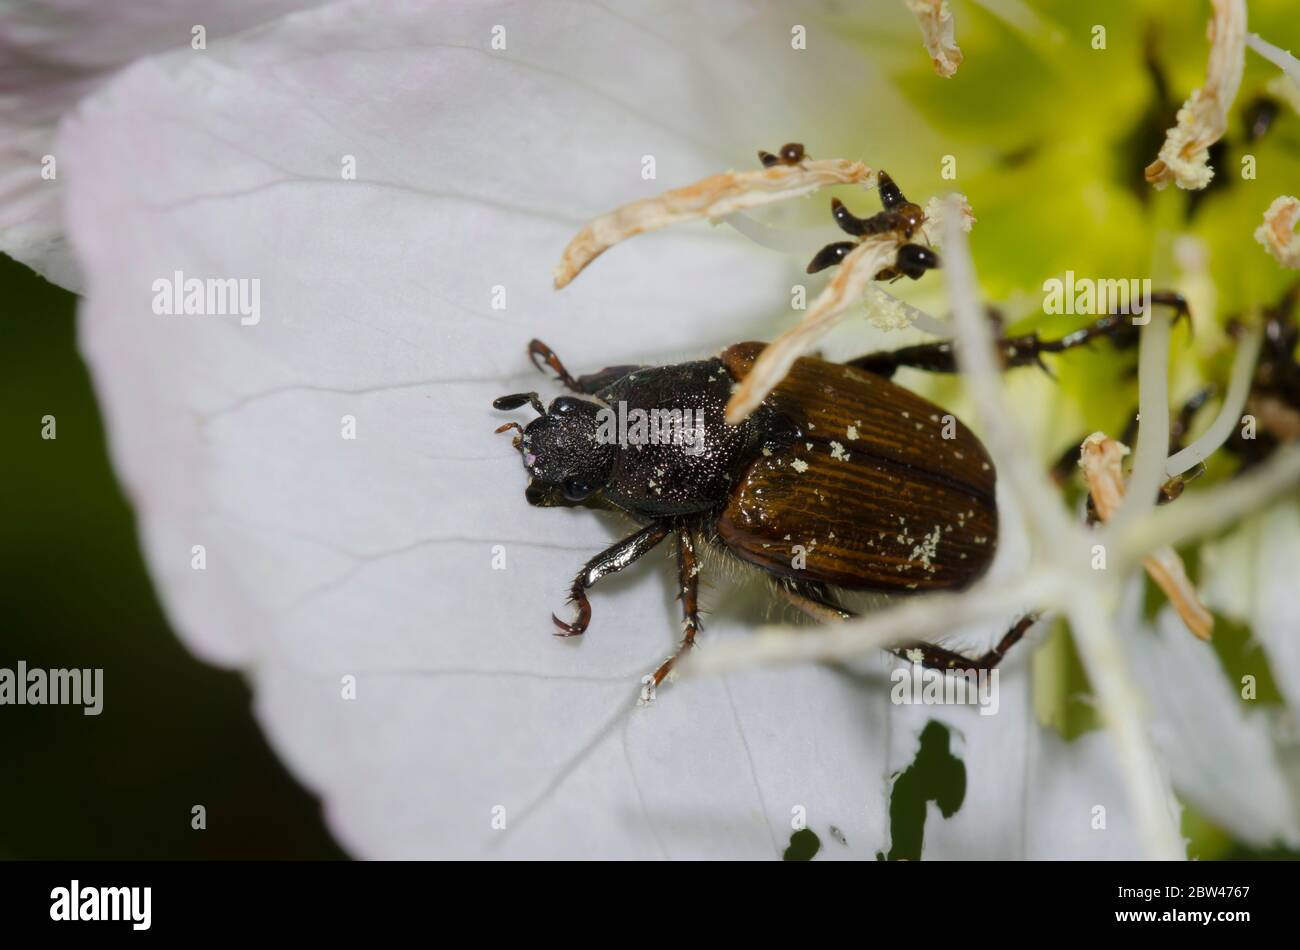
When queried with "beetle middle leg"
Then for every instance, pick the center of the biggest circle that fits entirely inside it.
(688, 584)
(1025, 350)
(818, 603)
(813, 599)
(610, 561)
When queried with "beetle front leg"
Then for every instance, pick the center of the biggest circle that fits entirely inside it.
(688, 591)
(537, 350)
(1025, 350)
(543, 357)
(610, 561)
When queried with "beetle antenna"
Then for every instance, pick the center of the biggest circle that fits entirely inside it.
(515, 400)
(512, 425)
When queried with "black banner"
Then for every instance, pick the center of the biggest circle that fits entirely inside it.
(237, 899)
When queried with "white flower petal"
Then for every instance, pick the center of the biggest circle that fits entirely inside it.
(1220, 755)
(1250, 575)
(56, 53)
(372, 558)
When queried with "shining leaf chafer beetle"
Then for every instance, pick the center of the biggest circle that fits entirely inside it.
(842, 480)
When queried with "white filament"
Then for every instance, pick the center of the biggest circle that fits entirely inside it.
(1243, 371)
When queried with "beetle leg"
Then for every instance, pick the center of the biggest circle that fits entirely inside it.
(940, 658)
(688, 590)
(1025, 350)
(934, 357)
(1119, 327)
(587, 384)
(814, 600)
(537, 350)
(1068, 462)
(820, 605)
(610, 561)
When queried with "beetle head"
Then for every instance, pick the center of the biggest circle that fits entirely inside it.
(566, 461)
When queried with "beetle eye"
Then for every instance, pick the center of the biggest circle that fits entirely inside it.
(564, 404)
(575, 489)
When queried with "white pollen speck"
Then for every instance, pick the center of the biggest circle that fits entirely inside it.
(926, 550)
(799, 465)
(837, 452)
(852, 433)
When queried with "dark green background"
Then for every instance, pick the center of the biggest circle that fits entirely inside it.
(174, 732)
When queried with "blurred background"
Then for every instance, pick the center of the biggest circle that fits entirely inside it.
(174, 732)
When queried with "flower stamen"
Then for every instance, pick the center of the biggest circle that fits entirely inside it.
(1099, 457)
(1184, 158)
(1278, 234)
(936, 23)
(711, 198)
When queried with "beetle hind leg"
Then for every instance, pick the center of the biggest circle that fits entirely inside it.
(688, 590)
(941, 658)
(817, 602)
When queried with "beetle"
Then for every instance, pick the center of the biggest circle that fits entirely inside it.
(898, 216)
(841, 480)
